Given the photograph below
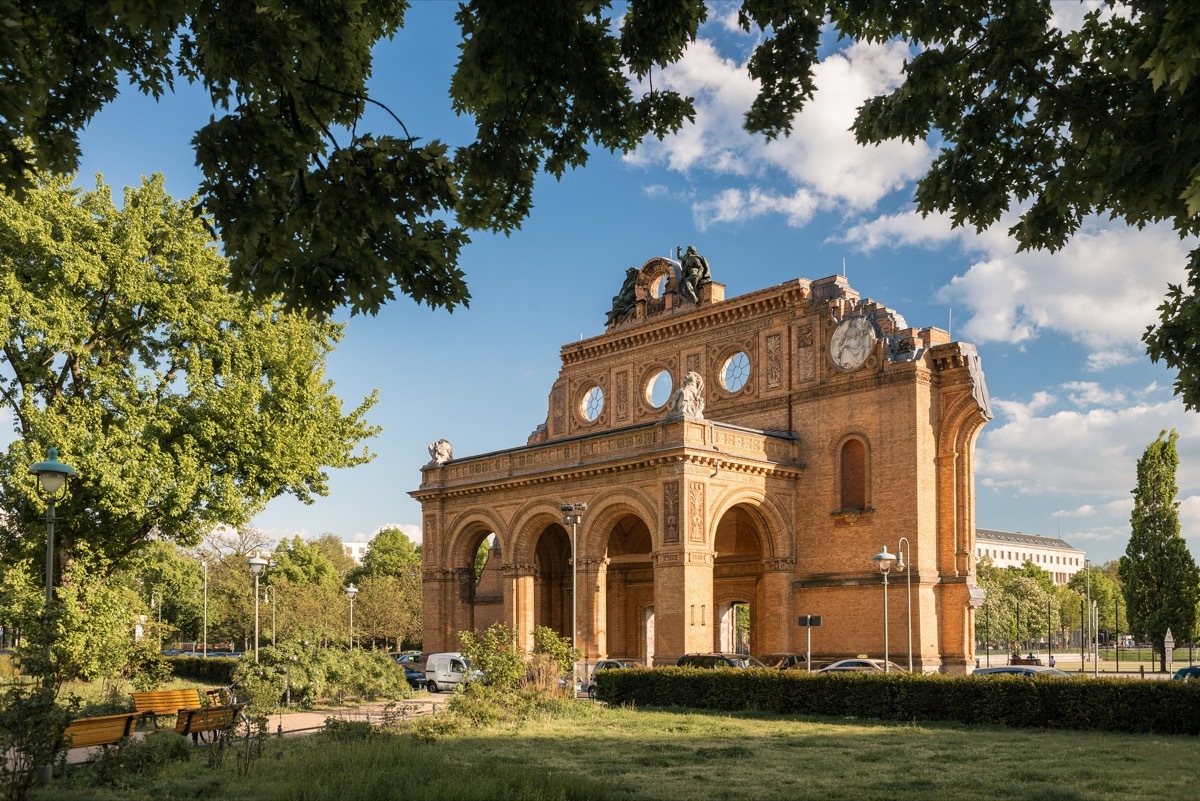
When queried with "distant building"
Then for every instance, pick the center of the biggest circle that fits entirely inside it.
(1014, 549)
(356, 550)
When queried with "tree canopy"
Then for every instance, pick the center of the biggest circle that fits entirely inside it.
(182, 405)
(1054, 124)
(1161, 582)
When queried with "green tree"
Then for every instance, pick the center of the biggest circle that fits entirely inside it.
(391, 553)
(301, 562)
(1162, 584)
(310, 206)
(1019, 600)
(1059, 124)
(331, 546)
(181, 405)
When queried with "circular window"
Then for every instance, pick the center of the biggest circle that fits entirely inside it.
(592, 404)
(658, 390)
(735, 372)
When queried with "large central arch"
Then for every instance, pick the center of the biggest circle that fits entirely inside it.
(629, 589)
(738, 568)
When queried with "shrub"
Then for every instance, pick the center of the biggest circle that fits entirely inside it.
(32, 724)
(213, 670)
(1162, 707)
(138, 757)
(316, 675)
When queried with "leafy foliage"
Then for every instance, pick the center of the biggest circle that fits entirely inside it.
(495, 652)
(32, 724)
(1162, 583)
(317, 674)
(181, 405)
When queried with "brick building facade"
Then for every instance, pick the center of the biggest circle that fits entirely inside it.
(756, 450)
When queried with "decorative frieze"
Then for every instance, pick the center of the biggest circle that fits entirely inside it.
(671, 512)
(774, 362)
(696, 512)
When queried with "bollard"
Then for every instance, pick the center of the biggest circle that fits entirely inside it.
(1142, 670)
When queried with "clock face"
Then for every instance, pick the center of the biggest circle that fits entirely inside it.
(851, 343)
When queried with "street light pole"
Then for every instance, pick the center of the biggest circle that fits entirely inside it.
(52, 478)
(351, 591)
(270, 599)
(885, 561)
(1087, 564)
(905, 549)
(572, 514)
(257, 565)
(204, 564)
(157, 607)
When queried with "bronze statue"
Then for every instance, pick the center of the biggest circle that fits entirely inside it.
(695, 273)
(624, 300)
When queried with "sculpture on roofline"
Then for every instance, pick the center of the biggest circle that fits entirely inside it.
(440, 452)
(694, 273)
(688, 400)
(624, 301)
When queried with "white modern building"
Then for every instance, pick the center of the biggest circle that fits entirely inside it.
(1014, 549)
(356, 550)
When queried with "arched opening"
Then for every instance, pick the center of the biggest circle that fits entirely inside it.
(629, 591)
(853, 470)
(480, 590)
(552, 580)
(737, 580)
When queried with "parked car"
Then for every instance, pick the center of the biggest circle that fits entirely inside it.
(610, 664)
(1187, 673)
(790, 662)
(740, 661)
(861, 665)
(1029, 671)
(410, 658)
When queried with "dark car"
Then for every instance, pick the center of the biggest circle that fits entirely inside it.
(610, 664)
(414, 668)
(790, 662)
(740, 661)
(1187, 673)
(1028, 671)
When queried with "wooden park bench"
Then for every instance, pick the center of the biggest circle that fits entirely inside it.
(1021, 660)
(165, 702)
(208, 719)
(104, 730)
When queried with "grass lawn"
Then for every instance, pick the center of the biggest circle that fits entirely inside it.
(602, 753)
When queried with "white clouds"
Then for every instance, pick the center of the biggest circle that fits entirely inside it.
(1089, 393)
(822, 164)
(1039, 449)
(1101, 290)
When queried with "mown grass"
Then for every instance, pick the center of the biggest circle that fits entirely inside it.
(599, 753)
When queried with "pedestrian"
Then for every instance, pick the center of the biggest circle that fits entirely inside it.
(1051, 660)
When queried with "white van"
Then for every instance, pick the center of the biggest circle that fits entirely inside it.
(444, 671)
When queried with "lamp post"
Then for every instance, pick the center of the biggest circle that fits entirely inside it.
(572, 514)
(885, 561)
(1087, 565)
(351, 591)
(905, 549)
(158, 607)
(257, 565)
(52, 478)
(270, 591)
(204, 564)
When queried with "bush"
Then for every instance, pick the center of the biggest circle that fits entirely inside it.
(1161, 707)
(317, 675)
(213, 670)
(136, 758)
(32, 724)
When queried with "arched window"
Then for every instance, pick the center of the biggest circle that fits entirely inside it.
(854, 476)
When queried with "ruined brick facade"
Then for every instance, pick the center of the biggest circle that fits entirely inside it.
(818, 429)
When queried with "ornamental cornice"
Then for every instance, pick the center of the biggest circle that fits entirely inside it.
(767, 301)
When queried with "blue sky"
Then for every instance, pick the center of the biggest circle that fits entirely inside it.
(1076, 399)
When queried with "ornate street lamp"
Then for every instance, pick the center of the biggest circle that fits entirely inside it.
(572, 514)
(885, 560)
(52, 478)
(257, 566)
(351, 591)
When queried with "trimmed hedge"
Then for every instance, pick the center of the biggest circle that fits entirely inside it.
(213, 670)
(1126, 705)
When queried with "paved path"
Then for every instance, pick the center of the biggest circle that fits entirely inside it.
(298, 723)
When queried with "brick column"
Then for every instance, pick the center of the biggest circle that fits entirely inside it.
(683, 604)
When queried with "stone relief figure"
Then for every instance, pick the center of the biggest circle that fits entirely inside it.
(440, 452)
(695, 273)
(624, 300)
(688, 400)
